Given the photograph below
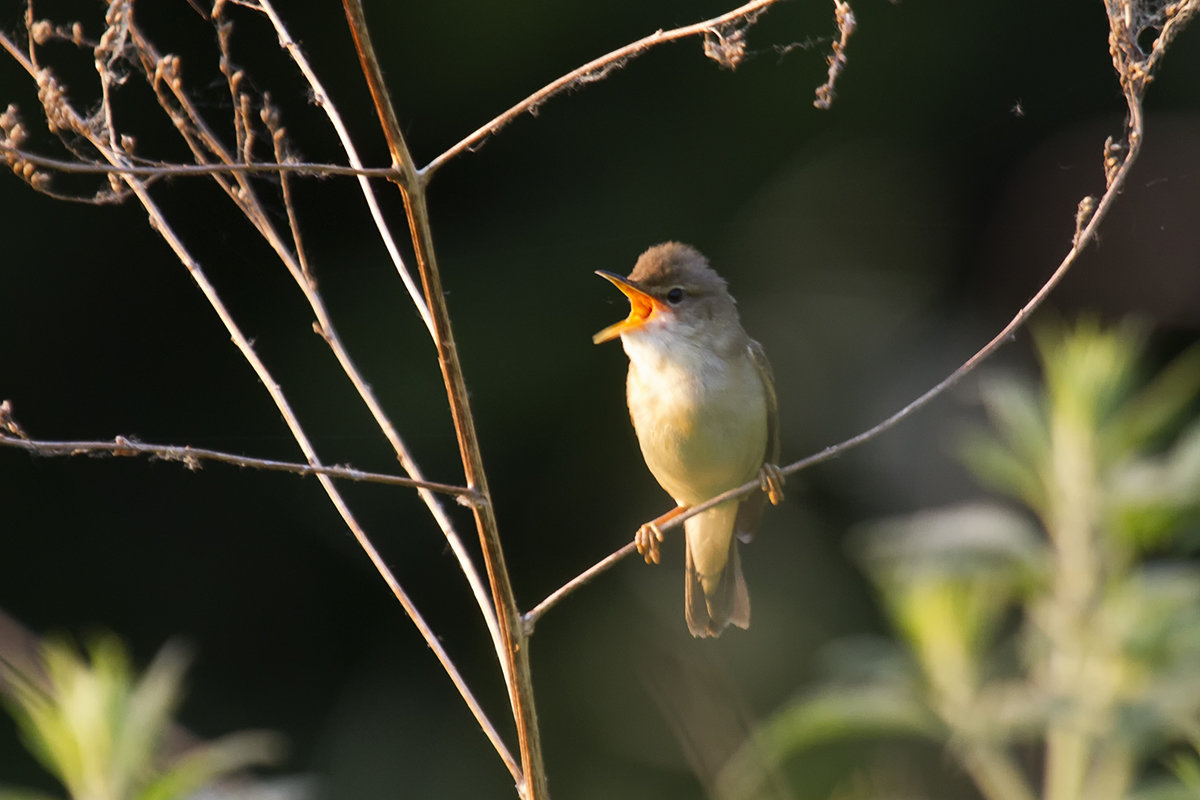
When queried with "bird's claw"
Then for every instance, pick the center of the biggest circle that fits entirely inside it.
(771, 478)
(647, 539)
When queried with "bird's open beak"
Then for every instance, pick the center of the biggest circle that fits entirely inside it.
(641, 307)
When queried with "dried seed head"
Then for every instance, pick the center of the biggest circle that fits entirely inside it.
(41, 31)
(117, 13)
(269, 114)
(726, 46)
(13, 131)
(53, 100)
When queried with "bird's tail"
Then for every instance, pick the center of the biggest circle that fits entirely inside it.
(715, 593)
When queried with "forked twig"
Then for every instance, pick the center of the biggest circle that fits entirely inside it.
(203, 141)
(532, 779)
(326, 330)
(322, 99)
(64, 117)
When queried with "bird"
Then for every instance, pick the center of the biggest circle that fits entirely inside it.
(702, 399)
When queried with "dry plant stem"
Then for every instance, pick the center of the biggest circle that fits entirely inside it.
(1116, 174)
(245, 197)
(203, 142)
(1071, 746)
(457, 546)
(335, 119)
(534, 614)
(532, 785)
(150, 170)
(846, 24)
(159, 223)
(66, 116)
(588, 71)
(192, 456)
(593, 70)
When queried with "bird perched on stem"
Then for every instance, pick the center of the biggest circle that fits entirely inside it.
(702, 399)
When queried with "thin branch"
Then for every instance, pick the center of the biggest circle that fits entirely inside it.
(599, 67)
(200, 138)
(58, 109)
(321, 97)
(246, 199)
(143, 169)
(192, 456)
(1134, 77)
(533, 615)
(846, 24)
(159, 223)
(532, 785)
(325, 328)
(273, 388)
(196, 132)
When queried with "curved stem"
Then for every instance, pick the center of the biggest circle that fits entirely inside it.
(328, 332)
(593, 70)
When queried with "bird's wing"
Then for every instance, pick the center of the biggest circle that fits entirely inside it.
(768, 378)
(750, 511)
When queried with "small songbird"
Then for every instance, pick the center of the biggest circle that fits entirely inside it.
(702, 399)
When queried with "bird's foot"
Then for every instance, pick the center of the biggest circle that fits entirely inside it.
(771, 478)
(650, 536)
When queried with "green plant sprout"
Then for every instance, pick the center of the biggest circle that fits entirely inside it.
(1053, 650)
(106, 733)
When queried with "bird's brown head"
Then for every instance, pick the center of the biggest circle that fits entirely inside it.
(669, 281)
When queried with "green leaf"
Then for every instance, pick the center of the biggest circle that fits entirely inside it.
(996, 466)
(40, 723)
(1087, 369)
(1153, 500)
(1019, 417)
(146, 716)
(1158, 406)
(961, 540)
(824, 716)
(212, 761)
(848, 712)
(99, 728)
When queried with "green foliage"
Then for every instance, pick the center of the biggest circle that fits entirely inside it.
(102, 731)
(1045, 626)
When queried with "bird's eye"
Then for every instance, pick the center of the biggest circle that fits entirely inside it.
(675, 296)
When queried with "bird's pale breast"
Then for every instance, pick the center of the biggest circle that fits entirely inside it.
(701, 420)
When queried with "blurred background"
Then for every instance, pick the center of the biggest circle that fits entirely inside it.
(872, 248)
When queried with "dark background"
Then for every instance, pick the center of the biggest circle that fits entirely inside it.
(872, 248)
